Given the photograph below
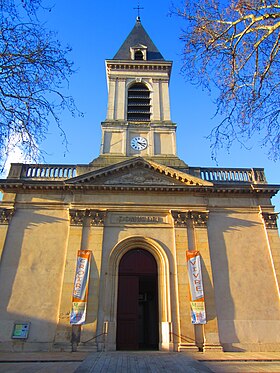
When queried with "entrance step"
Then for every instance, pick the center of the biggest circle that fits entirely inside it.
(212, 347)
(87, 347)
(187, 347)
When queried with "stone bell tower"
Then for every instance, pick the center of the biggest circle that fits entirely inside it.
(138, 121)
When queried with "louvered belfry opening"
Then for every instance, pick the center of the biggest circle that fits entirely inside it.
(138, 103)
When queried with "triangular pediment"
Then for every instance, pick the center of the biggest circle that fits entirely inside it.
(139, 172)
(139, 46)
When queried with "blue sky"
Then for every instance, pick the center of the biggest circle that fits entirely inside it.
(96, 30)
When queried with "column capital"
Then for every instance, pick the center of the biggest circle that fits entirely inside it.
(96, 217)
(270, 219)
(77, 217)
(6, 215)
(199, 218)
(180, 218)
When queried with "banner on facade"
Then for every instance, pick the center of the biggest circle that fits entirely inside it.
(197, 304)
(80, 291)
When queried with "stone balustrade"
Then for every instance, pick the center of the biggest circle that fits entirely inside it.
(42, 171)
(232, 175)
(63, 172)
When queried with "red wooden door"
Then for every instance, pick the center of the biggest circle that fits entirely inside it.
(127, 321)
(137, 314)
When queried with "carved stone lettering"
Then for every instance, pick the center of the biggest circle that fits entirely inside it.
(142, 219)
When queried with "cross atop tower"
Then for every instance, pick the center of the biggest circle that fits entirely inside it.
(138, 9)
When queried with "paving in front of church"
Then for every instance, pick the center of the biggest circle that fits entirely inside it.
(142, 362)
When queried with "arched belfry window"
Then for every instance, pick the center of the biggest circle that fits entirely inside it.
(138, 103)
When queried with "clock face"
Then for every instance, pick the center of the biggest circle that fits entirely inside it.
(139, 143)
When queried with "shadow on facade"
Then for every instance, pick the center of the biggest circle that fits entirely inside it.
(31, 278)
(223, 267)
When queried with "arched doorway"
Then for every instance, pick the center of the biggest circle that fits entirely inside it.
(137, 310)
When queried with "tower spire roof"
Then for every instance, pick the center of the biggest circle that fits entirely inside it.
(138, 35)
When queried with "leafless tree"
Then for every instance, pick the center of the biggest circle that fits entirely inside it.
(232, 47)
(34, 71)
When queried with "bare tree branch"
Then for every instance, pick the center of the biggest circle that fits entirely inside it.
(34, 72)
(235, 46)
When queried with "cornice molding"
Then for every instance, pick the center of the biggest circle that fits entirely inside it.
(145, 66)
(55, 186)
(164, 81)
(6, 215)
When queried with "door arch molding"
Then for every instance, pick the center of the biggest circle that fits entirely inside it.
(164, 302)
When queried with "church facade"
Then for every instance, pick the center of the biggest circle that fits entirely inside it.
(138, 209)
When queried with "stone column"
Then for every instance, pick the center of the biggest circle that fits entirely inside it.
(209, 331)
(270, 224)
(186, 337)
(6, 215)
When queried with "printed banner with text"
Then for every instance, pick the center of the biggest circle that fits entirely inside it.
(198, 313)
(80, 291)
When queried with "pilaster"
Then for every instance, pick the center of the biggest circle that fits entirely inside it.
(156, 100)
(92, 240)
(270, 226)
(120, 109)
(82, 236)
(6, 215)
(111, 99)
(64, 330)
(186, 337)
(210, 329)
(165, 100)
(191, 234)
